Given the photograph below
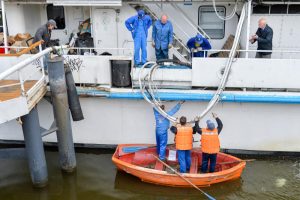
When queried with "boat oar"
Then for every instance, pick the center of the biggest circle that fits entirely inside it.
(185, 179)
(236, 161)
(133, 149)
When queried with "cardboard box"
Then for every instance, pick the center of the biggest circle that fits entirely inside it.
(21, 37)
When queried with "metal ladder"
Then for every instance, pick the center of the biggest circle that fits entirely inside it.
(179, 49)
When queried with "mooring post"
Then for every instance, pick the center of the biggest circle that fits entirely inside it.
(34, 148)
(59, 97)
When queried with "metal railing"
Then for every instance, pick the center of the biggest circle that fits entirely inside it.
(274, 52)
(197, 28)
(173, 21)
(23, 64)
(90, 50)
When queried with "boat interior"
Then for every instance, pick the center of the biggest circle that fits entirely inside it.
(145, 158)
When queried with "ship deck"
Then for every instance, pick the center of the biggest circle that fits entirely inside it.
(10, 89)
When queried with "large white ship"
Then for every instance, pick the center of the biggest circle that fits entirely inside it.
(259, 106)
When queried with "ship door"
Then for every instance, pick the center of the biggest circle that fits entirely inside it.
(105, 30)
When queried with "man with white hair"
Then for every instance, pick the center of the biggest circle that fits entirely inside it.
(264, 37)
(162, 37)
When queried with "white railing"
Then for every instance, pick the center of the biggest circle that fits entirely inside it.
(276, 53)
(102, 50)
(18, 69)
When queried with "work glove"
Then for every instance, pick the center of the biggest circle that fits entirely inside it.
(196, 119)
(199, 49)
(214, 115)
(153, 44)
(170, 46)
(181, 102)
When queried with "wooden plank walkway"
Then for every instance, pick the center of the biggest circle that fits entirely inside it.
(11, 92)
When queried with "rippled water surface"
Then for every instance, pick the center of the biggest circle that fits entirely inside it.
(97, 178)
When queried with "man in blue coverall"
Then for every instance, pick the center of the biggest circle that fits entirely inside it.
(198, 45)
(162, 126)
(162, 36)
(138, 25)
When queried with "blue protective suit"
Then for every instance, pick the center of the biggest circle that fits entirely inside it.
(162, 35)
(139, 31)
(184, 159)
(192, 44)
(162, 126)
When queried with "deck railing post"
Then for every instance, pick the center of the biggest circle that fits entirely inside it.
(59, 96)
(34, 148)
(248, 27)
(4, 26)
(42, 60)
(23, 92)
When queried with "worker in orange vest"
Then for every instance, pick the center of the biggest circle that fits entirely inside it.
(210, 143)
(184, 143)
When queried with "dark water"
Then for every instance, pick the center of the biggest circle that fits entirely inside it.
(97, 178)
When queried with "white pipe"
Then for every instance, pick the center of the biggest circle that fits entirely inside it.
(156, 103)
(222, 85)
(248, 27)
(232, 14)
(4, 25)
(91, 21)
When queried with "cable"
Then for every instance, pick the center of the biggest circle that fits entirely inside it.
(222, 85)
(155, 65)
(226, 17)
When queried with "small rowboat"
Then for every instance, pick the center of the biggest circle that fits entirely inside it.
(144, 165)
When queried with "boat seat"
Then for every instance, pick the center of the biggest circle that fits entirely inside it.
(194, 165)
(158, 165)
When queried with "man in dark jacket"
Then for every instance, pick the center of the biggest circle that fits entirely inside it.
(44, 33)
(264, 37)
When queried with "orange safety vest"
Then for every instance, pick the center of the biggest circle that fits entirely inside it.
(210, 142)
(184, 137)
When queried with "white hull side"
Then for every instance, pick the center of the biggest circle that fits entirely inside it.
(247, 126)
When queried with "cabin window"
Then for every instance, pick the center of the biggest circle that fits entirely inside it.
(261, 9)
(294, 9)
(210, 23)
(278, 9)
(58, 14)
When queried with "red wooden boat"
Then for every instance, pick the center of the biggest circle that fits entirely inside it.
(145, 166)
